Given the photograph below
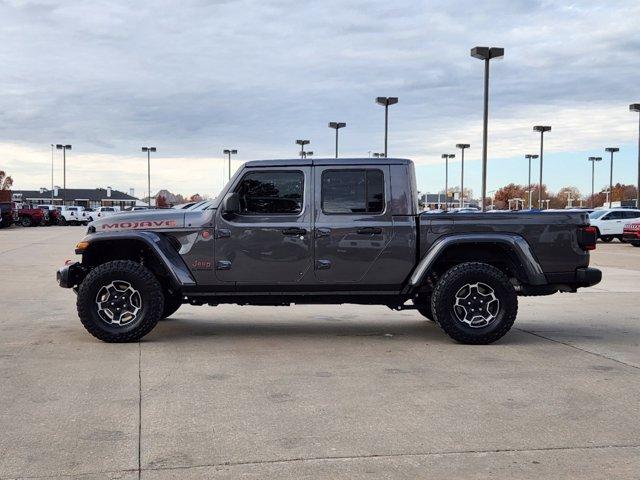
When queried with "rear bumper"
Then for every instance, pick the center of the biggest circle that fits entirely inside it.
(70, 275)
(582, 277)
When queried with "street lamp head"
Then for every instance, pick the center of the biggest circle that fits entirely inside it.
(303, 142)
(148, 149)
(530, 156)
(595, 159)
(612, 149)
(462, 145)
(487, 53)
(337, 125)
(386, 101)
(541, 128)
(68, 147)
(309, 154)
(634, 107)
(59, 146)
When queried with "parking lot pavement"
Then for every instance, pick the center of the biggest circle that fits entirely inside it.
(315, 391)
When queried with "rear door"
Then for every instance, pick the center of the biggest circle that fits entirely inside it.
(611, 223)
(269, 242)
(353, 222)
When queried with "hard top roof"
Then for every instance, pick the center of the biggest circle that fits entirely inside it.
(301, 162)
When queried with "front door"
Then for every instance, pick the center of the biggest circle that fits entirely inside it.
(353, 223)
(269, 242)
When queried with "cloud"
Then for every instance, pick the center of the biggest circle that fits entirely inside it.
(196, 77)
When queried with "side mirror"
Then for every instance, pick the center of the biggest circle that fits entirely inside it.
(231, 204)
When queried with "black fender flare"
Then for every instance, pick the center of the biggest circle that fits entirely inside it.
(179, 273)
(515, 243)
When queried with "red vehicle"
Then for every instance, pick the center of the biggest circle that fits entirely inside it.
(29, 216)
(54, 214)
(631, 234)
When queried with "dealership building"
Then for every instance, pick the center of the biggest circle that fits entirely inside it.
(85, 197)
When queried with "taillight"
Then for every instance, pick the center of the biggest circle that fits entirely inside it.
(587, 237)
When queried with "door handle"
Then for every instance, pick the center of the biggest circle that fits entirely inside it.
(294, 231)
(369, 231)
(323, 232)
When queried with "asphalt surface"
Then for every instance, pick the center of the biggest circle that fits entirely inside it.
(315, 392)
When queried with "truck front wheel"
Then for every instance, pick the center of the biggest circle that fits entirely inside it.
(474, 303)
(120, 301)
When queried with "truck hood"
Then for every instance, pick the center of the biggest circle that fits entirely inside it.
(140, 220)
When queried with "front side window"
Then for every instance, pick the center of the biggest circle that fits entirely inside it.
(353, 191)
(271, 192)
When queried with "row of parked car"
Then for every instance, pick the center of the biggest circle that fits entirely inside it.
(33, 215)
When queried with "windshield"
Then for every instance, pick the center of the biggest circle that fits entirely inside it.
(597, 214)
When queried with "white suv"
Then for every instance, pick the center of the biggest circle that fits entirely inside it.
(71, 215)
(610, 223)
(102, 212)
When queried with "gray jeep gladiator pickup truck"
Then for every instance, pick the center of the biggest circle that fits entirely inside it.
(326, 231)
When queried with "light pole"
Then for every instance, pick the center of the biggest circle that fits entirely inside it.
(611, 150)
(541, 129)
(635, 107)
(593, 161)
(302, 143)
(446, 157)
(64, 149)
(52, 147)
(228, 153)
(149, 150)
(386, 101)
(462, 147)
(529, 156)
(337, 126)
(486, 54)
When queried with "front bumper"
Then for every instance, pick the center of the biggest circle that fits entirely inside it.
(71, 275)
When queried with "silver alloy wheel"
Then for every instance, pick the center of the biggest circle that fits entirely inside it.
(476, 305)
(118, 303)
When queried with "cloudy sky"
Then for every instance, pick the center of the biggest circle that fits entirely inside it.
(197, 76)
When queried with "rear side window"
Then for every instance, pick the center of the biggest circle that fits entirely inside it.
(269, 192)
(352, 191)
(632, 214)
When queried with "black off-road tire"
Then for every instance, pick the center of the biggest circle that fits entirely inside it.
(140, 278)
(606, 238)
(172, 303)
(635, 244)
(26, 222)
(444, 296)
(62, 221)
(423, 305)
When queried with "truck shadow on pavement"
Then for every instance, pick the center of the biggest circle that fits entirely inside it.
(404, 330)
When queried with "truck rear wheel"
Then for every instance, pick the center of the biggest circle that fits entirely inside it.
(120, 301)
(474, 303)
(26, 221)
